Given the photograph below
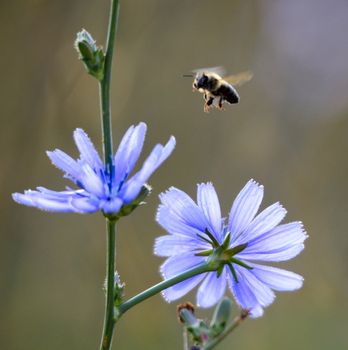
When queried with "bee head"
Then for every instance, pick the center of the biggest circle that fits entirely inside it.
(201, 81)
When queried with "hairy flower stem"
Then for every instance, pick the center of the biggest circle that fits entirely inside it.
(229, 329)
(104, 89)
(205, 267)
(109, 319)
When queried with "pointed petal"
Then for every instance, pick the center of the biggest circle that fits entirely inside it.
(40, 201)
(173, 245)
(212, 289)
(264, 222)
(158, 155)
(178, 290)
(21, 198)
(176, 226)
(84, 205)
(178, 213)
(65, 163)
(274, 256)
(131, 190)
(92, 183)
(256, 312)
(87, 150)
(129, 151)
(179, 264)
(245, 207)
(279, 244)
(208, 201)
(249, 292)
(61, 194)
(277, 279)
(167, 150)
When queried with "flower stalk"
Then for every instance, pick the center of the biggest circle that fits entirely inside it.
(204, 267)
(229, 329)
(109, 319)
(105, 108)
(104, 86)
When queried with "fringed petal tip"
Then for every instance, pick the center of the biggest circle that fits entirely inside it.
(21, 198)
(253, 182)
(166, 297)
(161, 271)
(303, 230)
(165, 193)
(80, 132)
(256, 312)
(157, 248)
(87, 150)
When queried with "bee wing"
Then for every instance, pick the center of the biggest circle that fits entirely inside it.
(240, 78)
(217, 70)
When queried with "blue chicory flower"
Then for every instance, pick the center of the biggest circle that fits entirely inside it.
(196, 230)
(99, 188)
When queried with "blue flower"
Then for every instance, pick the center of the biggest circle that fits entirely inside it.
(99, 188)
(196, 231)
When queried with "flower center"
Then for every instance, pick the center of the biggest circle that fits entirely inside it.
(222, 254)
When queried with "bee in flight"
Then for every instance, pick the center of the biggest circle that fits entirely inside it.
(215, 89)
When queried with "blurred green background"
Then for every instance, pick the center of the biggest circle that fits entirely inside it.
(290, 133)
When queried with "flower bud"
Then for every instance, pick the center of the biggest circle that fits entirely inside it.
(196, 327)
(221, 316)
(91, 55)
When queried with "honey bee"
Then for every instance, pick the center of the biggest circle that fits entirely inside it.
(215, 89)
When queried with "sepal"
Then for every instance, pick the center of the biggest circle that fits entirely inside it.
(128, 208)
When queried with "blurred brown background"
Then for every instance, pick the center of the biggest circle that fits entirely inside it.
(290, 132)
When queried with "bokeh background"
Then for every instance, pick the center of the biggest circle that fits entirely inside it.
(290, 132)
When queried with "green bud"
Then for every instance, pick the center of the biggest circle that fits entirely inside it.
(90, 54)
(188, 318)
(196, 327)
(221, 316)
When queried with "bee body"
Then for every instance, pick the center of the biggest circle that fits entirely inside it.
(217, 90)
(228, 92)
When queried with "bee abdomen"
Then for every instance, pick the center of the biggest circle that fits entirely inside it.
(228, 92)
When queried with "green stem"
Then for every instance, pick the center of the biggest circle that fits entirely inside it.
(237, 321)
(104, 86)
(104, 91)
(205, 267)
(109, 317)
